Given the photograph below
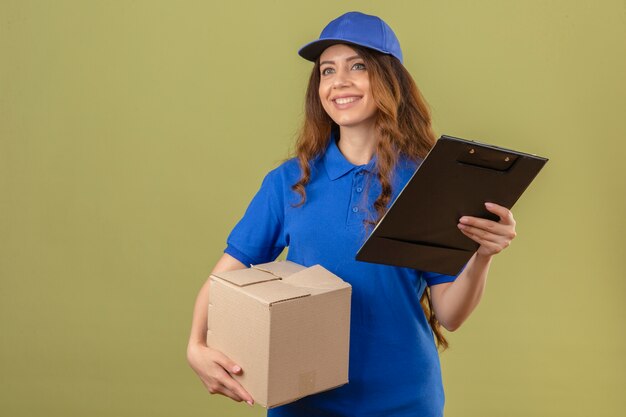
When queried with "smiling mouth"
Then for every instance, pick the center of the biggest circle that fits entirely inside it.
(346, 100)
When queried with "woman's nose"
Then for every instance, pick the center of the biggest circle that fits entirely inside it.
(341, 79)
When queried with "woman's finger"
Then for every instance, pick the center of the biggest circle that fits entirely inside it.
(491, 246)
(235, 388)
(224, 390)
(485, 234)
(218, 385)
(215, 387)
(225, 362)
(506, 216)
(489, 225)
(228, 368)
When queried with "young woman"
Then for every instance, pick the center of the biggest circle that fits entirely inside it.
(366, 130)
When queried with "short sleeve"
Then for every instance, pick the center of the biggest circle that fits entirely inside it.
(433, 278)
(259, 236)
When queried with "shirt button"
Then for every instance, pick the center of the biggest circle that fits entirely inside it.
(355, 209)
(359, 189)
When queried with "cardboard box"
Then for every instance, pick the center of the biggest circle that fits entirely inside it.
(287, 326)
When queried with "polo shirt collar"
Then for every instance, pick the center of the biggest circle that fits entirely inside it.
(337, 165)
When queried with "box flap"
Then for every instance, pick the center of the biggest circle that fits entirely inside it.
(245, 277)
(316, 277)
(281, 269)
(272, 292)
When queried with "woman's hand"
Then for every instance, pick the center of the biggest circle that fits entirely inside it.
(492, 236)
(215, 371)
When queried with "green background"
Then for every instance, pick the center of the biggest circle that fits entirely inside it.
(134, 133)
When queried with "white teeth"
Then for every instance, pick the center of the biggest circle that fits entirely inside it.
(345, 100)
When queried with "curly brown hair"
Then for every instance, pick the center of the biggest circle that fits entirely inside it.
(403, 125)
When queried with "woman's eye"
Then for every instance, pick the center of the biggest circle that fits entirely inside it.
(327, 71)
(359, 66)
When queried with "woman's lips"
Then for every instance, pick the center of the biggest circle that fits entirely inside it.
(344, 102)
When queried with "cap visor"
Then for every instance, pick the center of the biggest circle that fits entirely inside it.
(311, 51)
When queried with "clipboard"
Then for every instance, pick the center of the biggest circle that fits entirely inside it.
(455, 179)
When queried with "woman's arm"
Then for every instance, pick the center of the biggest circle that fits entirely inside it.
(453, 302)
(213, 367)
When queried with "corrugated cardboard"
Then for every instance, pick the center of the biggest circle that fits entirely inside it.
(287, 326)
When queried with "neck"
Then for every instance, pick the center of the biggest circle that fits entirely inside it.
(357, 144)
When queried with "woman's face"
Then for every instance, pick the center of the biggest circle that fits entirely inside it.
(345, 87)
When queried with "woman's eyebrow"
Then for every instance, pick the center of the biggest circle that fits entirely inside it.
(352, 58)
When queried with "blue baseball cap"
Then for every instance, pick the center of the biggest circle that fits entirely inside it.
(355, 28)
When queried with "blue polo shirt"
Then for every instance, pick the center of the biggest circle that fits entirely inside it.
(394, 365)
